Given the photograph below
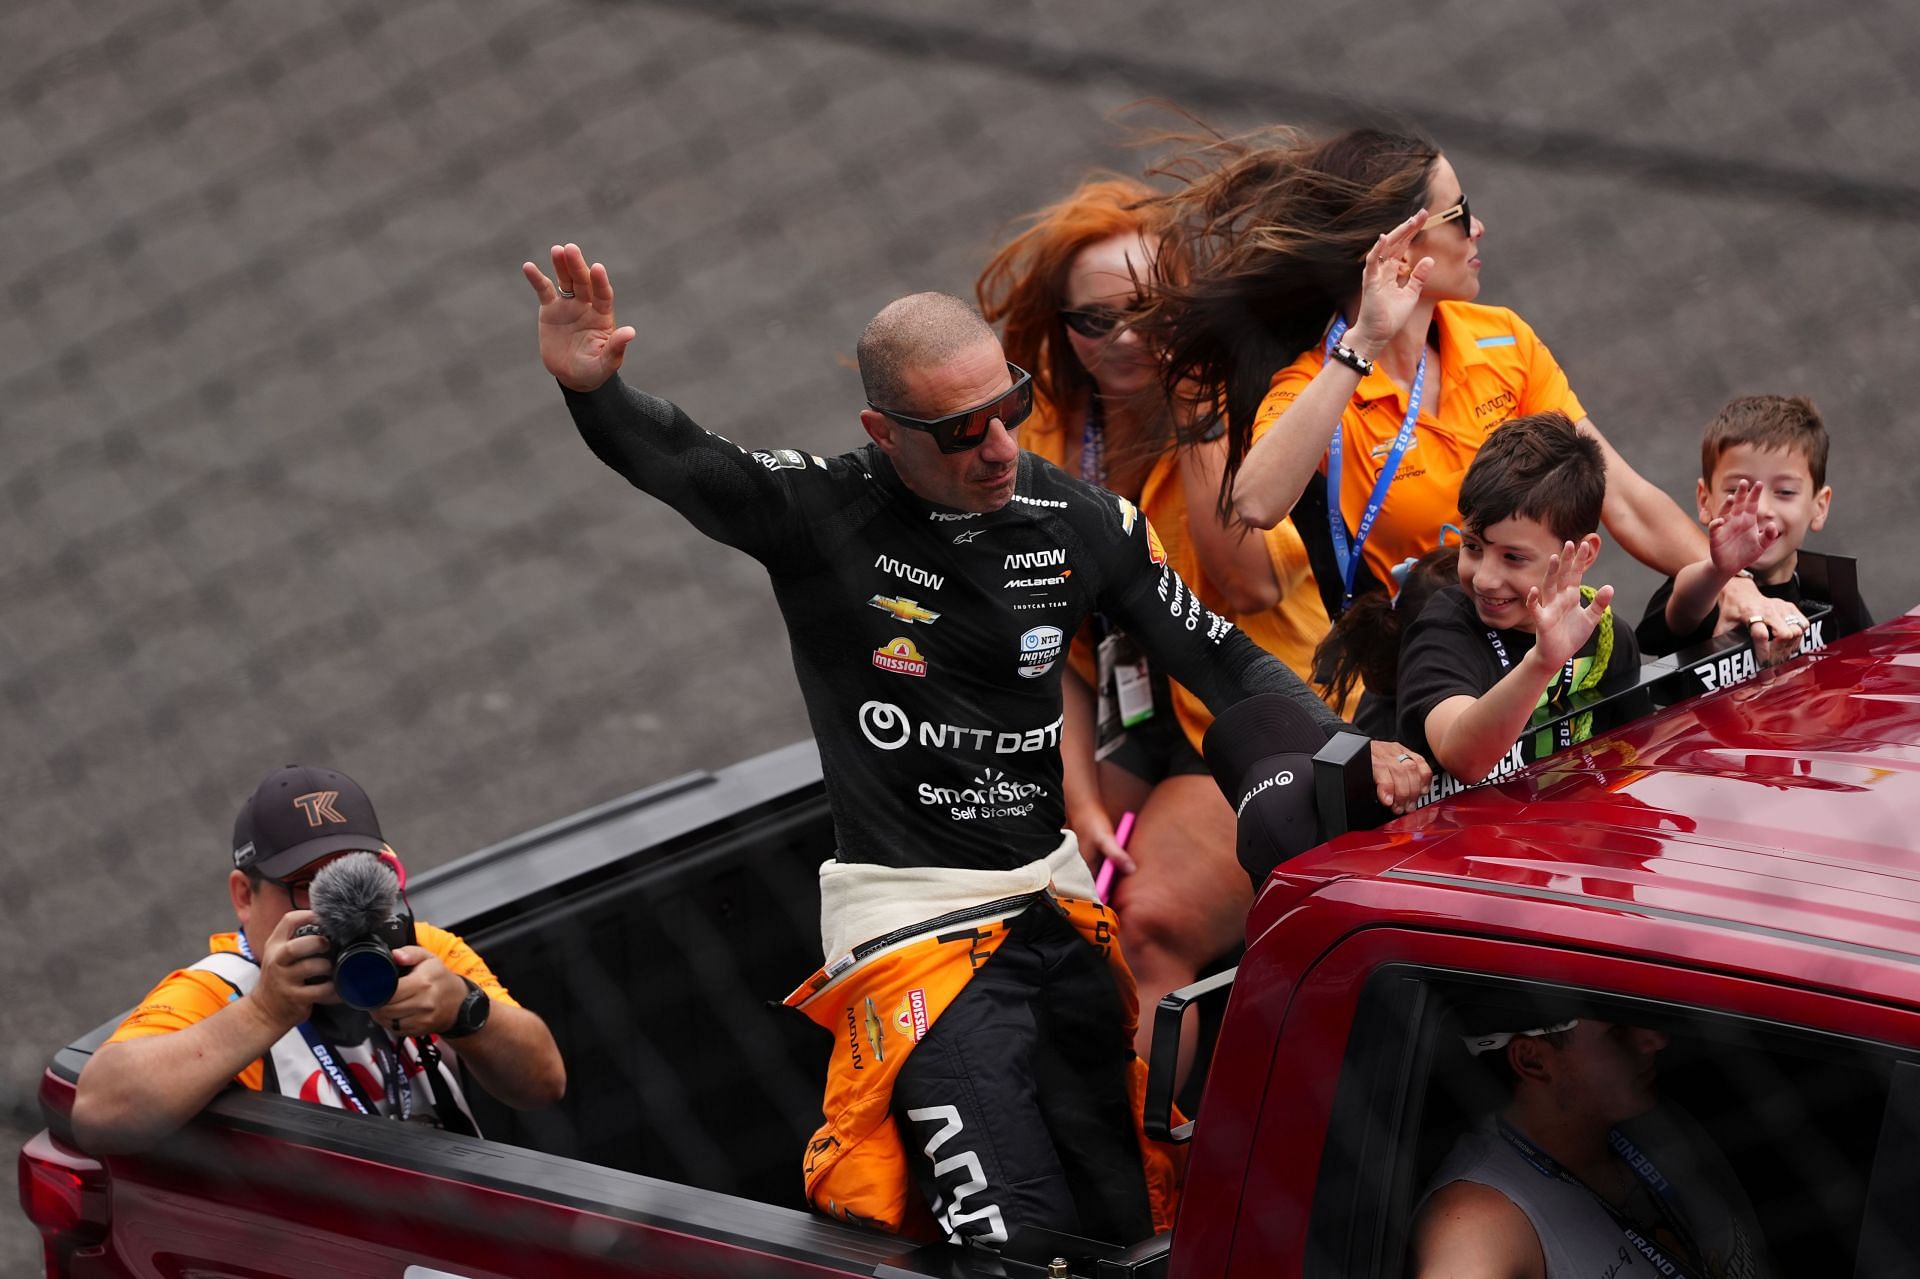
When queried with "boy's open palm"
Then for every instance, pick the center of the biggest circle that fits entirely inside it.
(1738, 537)
(1561, 622)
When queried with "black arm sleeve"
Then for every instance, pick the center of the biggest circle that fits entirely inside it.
(739, 498)
(1188, 640)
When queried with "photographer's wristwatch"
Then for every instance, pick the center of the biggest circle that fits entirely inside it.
(473, 1013)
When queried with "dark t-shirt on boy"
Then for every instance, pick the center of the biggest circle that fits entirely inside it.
(1450, 652)
(1657, 639)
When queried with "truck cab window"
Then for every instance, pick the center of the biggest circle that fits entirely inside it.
(1715, 1143)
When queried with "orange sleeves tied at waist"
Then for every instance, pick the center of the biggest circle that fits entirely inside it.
(856, 1165)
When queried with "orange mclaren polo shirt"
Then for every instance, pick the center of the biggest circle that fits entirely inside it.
(1290, 630)
(1492, 367)
(192, 995)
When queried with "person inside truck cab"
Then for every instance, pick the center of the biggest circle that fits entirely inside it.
(261, 1009)
(982, 1076)
(1581, 1173)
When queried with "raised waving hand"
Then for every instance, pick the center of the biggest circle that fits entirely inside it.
(1561, 622)
(1390, 285)
(578, 341)
(1738, 537)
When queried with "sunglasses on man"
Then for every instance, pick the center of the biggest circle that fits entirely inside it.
(958, 432)
(1459, 210)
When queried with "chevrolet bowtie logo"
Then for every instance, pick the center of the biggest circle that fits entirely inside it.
(904, 609)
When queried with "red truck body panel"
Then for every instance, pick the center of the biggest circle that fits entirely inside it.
(1752, 850)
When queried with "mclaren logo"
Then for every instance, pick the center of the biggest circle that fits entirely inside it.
(904, 609)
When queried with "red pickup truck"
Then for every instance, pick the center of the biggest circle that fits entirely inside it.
(1738, 870)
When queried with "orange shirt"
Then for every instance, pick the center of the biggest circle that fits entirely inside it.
(1290, 630)
(191, 995)
(1492, 367)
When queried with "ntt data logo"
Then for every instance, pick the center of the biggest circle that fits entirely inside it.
(888, 728)
(885, 725)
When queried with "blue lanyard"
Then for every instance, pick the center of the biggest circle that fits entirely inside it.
(399, 1088)
(1093, 443)
(1349, 557)
(1650, 1176)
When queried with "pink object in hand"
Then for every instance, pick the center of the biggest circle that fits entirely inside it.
(1103, 881)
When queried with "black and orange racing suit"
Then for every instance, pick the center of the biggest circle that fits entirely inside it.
(929, 645)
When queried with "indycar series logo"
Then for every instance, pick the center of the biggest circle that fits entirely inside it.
(1039, 649)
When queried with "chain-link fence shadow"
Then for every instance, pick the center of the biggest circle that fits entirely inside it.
(284, 480)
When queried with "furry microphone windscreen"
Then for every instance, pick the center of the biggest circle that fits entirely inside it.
(354, 896)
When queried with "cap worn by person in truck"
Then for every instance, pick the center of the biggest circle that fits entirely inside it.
(299, 814)
(1261, 755)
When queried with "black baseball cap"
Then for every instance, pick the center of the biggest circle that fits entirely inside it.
(299, 814)
(1261, 755)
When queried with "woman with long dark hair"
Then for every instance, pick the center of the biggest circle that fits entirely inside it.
(1065, 292)
(1327, 302)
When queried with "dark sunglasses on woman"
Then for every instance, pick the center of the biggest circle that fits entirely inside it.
(1095, 322)
(1459, 210)
(958, 432)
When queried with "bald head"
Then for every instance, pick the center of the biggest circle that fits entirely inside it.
(918, 331)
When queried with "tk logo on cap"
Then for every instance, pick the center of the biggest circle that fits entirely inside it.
(319, 807)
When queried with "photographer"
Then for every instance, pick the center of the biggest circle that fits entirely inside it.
(262, 1008)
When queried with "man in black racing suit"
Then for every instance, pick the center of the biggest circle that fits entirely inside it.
(930, 582)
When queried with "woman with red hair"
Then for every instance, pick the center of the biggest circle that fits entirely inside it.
(1062, 292)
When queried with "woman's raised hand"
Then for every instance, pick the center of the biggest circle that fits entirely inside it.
(578, 342)
(1389, 287)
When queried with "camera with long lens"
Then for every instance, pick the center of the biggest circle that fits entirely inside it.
(364, 920)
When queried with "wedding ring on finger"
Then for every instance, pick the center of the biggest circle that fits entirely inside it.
(1756, 619)
(563, 293)
(1403, 759)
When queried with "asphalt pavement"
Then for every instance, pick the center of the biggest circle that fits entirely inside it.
(284, 480)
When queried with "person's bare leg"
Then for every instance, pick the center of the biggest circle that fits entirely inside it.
(1187, 903)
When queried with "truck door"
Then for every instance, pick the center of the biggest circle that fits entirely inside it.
(1799, 1109)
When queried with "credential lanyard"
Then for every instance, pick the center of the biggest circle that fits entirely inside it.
(1348, 557)
(1093, 444)
(1650, 1176)
(399, 1088)
(1565, 681)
